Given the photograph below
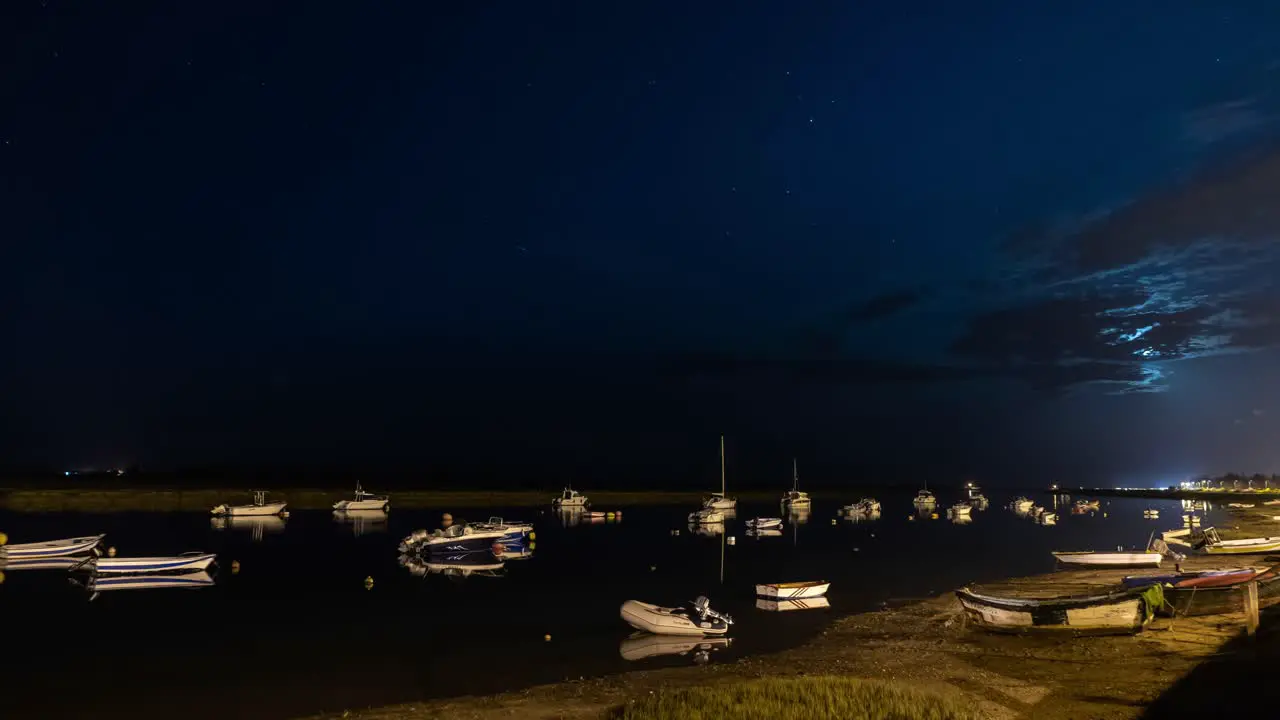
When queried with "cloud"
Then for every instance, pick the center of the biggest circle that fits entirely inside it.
(1214, 123)
(883, 305)
(813, 369)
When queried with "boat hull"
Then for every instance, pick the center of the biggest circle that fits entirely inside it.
(355, 505)
(1117, 560)
(249, 510)
(180, 563)
(1252, 549)
(51, 549)
(1119, 613)
(792, 591)
(668, 621)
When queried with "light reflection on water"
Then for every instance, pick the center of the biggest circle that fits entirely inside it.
(293, 616)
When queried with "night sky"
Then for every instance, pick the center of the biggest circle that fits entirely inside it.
(900, 240)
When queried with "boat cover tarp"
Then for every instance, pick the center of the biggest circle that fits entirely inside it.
(1152, 600)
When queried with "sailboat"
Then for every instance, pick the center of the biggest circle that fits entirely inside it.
(719, 501)
(794, 498)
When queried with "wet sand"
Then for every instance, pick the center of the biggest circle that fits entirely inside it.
(928, 643)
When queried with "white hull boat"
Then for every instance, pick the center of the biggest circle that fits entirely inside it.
(455, 539)
(191, 580)
(259, 507)
(817, 603)
(1021, 505)
(1126, 611)
(1049, 518)
(1110, 559)
(769, 532)
(170, 564)
(961, 509)
(364, 501)
(794, 498)
(764, 523)
(924, 499)
(792, 591)
(720, 501)
(570, 500)
(697, 620)
(52, 548)
(643, 645)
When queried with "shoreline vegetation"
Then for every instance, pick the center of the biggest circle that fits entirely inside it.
(923, 652)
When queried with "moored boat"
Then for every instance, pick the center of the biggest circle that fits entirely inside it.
(570, 499)
(720, 501)
(1021, 504)
(764, 523)
(187, 562)
(260, 506)
(52, 548)
(960, 509)
(698, 619)
(1110, 559)
(1048, 518)
(924, 498)
(364, 501)
(453, 539)
(793, 590)
(1211, 544)
(793, 498)
(1122, 612)
(706, 516)
(512, 530)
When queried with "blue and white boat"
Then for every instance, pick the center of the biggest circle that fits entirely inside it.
(512, 531)
(168, 564)
(454, 539)
(52, 548)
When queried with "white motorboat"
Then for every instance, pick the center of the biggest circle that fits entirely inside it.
(706, 516)
(642, 645)
(816, 603)
(764, 523)
(865, 506)
(163, 564)
(364, 501)
(961, 509)
(1109, 559)
(793, 590)
(260, 506)
(570, 499)
(793, 498)
(52, 548)
(1048, 518)
(924, 498)
(699, 619)
(512, 530)
(720, 501)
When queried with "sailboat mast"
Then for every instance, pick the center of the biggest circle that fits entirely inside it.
(795, 475)
(722, 465)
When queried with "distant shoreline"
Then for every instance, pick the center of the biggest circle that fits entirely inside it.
(203, 499)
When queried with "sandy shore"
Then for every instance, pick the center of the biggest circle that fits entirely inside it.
(928, 644)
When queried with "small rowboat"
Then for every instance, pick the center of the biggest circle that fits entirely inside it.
(1123, 612)
(699, 619)
(793, 591)
(52, 548)
(171, 564)
(1109, 559)
(1212, 545)
(764, 523)
(768, 605)
(1212, 592)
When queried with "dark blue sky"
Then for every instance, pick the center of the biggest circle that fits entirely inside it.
(897, 239)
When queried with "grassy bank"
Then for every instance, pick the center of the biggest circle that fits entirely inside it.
(158, 500)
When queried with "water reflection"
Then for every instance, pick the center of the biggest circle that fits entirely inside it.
(106, 583)
(707, 529)
(765, 533)
(959, 518)
(456, 567)
(643, 645)
(769, 605)
(40, 563)
(798, 516)
(858, 517)
(256, 525)
(362, 521)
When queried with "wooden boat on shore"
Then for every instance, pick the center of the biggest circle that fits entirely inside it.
(1214, 592)
(1118, 613)
(188, 562)
(699, 619)
(51, 548)
(793, 590)
(260, 506)
(1110, 559)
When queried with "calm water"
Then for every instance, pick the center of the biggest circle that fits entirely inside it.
(296, 632)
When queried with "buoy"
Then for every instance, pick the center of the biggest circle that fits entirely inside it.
(855, 549)
(533, 546)
(546, 638)
(368, 583)
(608, 516)
(873, 534)
(731, 540)
(446, 518)
(911, 517)
(933, 516)
(111, 551)
(3, 538)
(618, 514)
(1, 577)
(652, 568)
(833, 521)
(235, 567)
(533, 535)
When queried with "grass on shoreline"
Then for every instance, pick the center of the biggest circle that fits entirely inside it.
(806, 698)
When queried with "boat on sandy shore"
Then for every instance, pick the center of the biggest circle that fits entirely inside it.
(260, 506)
(187, 562)
(768, 605)
(697, 619)
(1110, 559)
(52, 548)
(1122, 612)
(1211, 544)
(364, 501)
(793, 590)
(1212, 592)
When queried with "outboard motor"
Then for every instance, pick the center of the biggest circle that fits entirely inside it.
(702, 606)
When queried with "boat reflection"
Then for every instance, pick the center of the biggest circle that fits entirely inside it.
(362, 521)
(858, 517)
(256, 525)
(959, 518)
(707, 529)
(798, 516)
(765, 533)
(106, 583)
(643, 645)
(816, 603)
(58, 563)
(461, 566)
